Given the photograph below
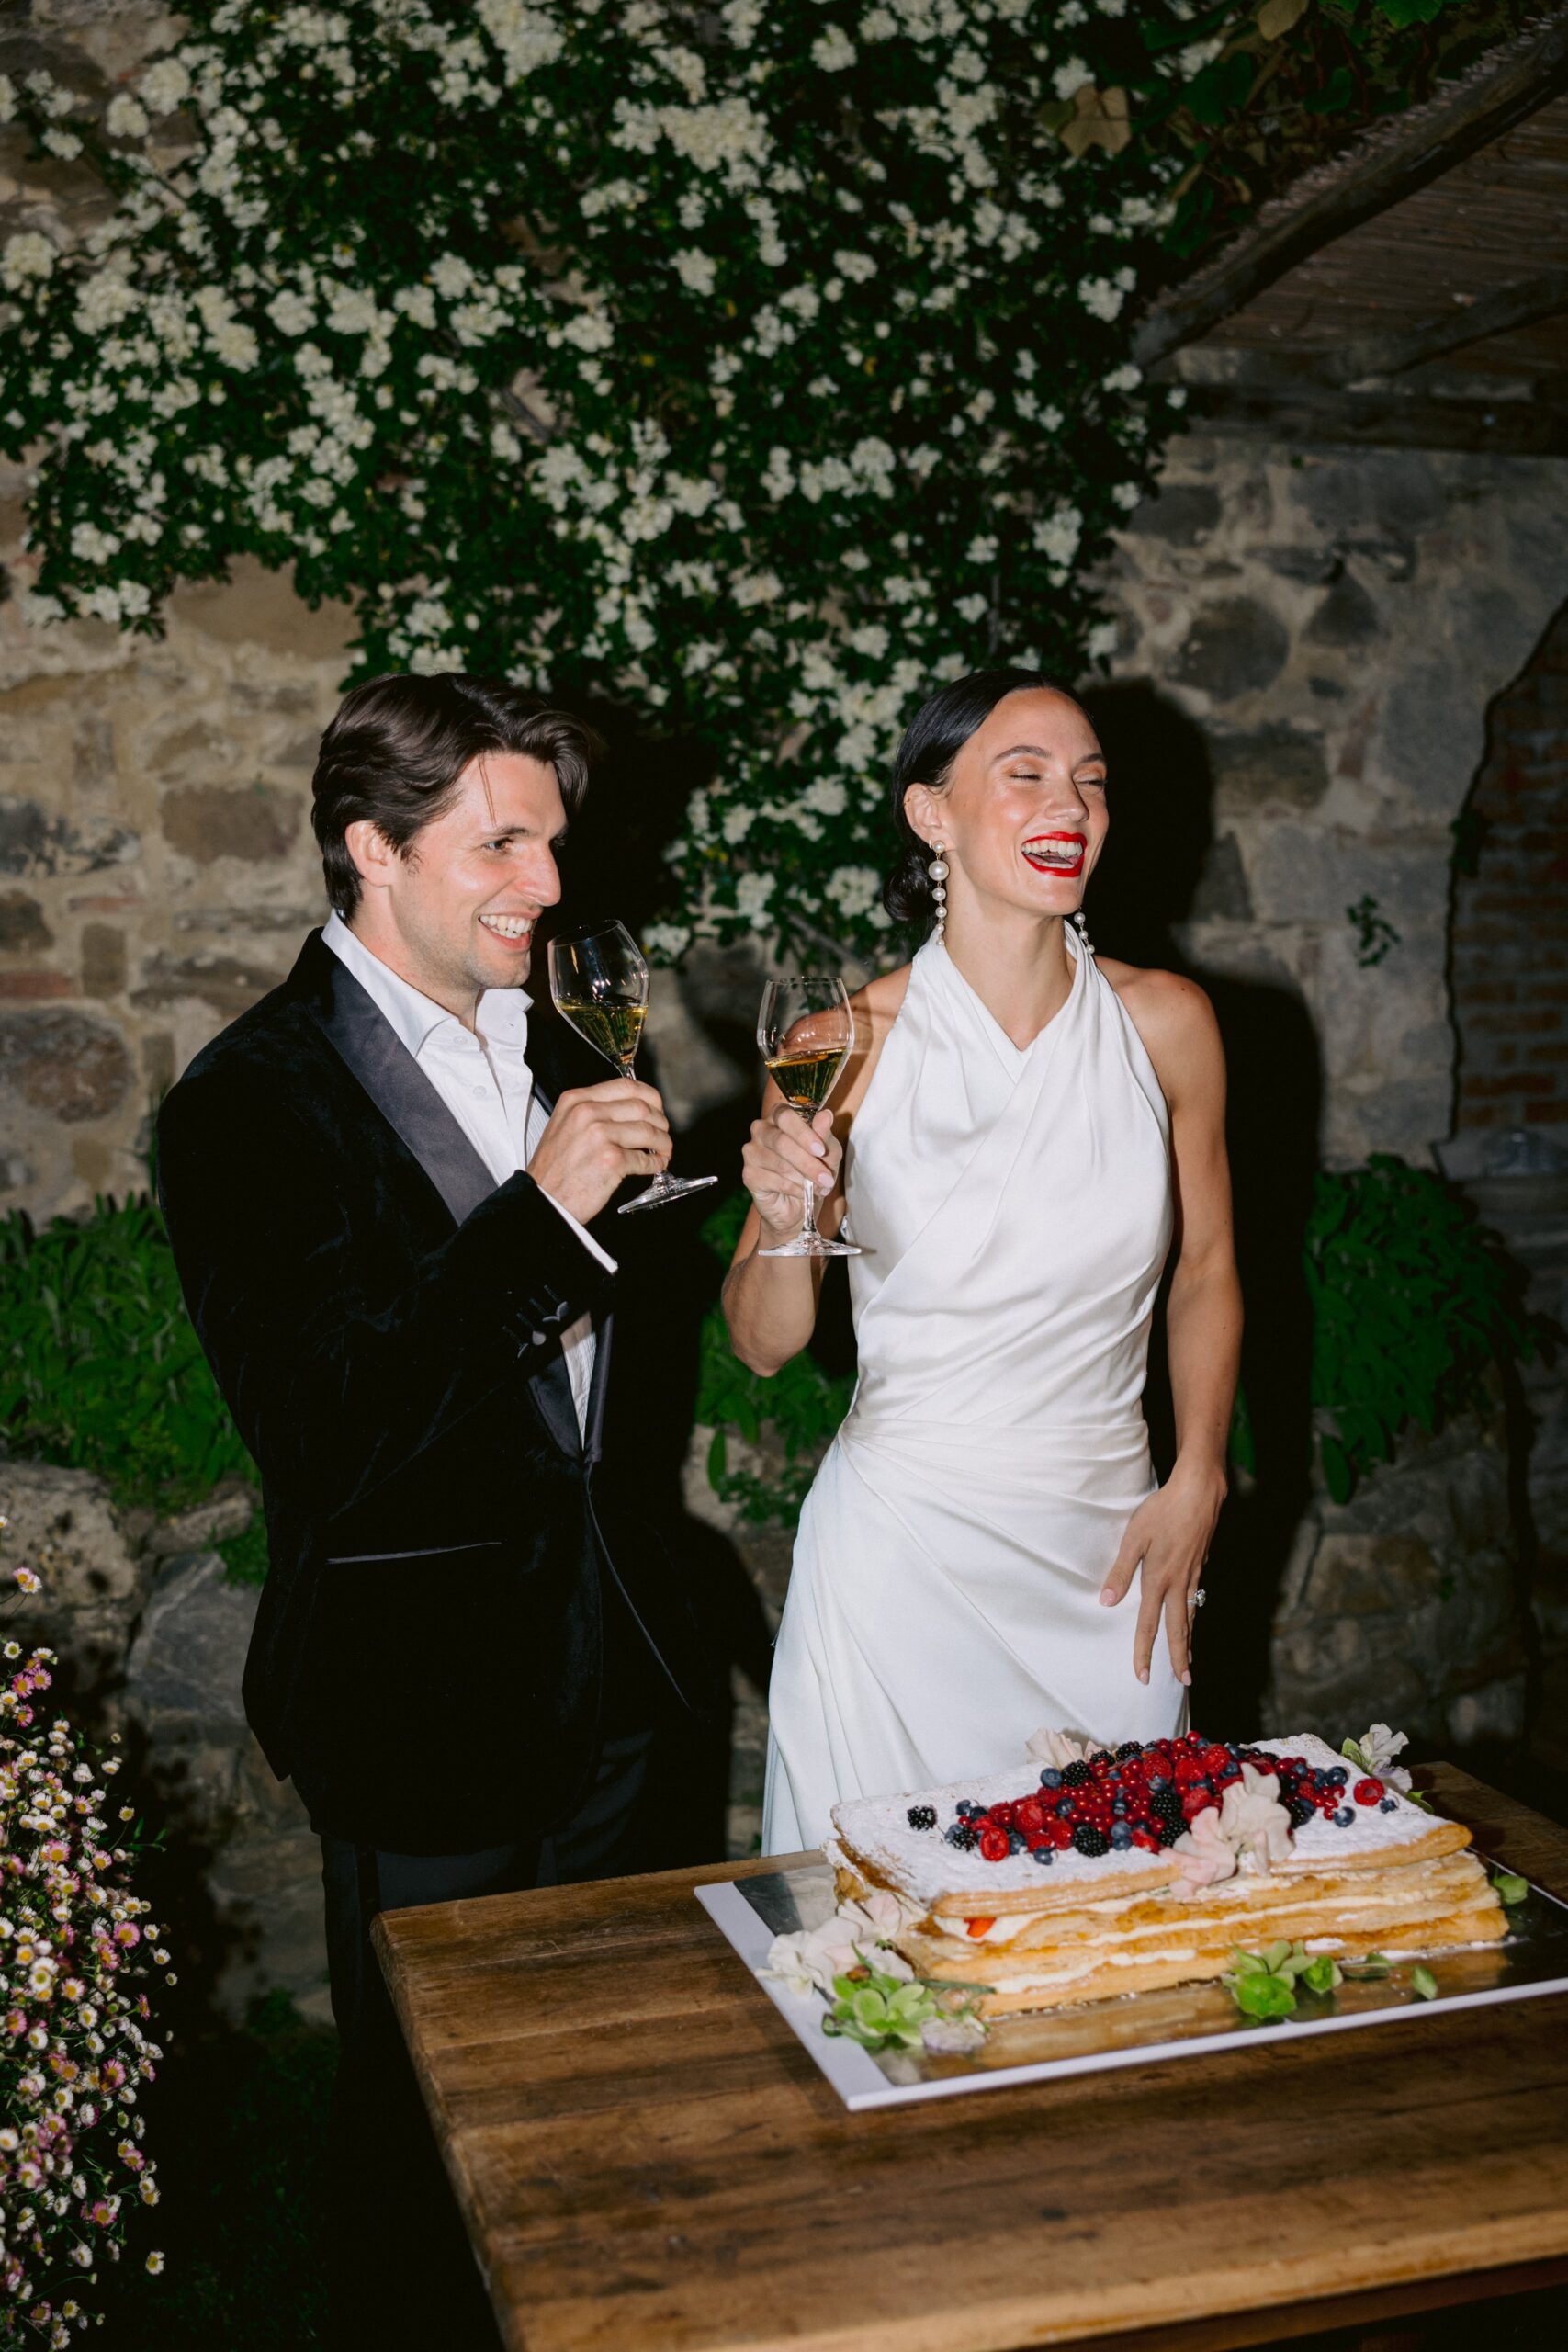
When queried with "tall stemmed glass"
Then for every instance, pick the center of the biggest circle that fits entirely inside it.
(599, 982)
(806, 1030)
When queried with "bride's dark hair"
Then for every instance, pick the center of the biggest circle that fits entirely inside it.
(932, 741)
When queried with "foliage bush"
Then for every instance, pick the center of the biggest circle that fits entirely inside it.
(800, 1408)
(757, 365)
(100, 1369)
(1414, 1305)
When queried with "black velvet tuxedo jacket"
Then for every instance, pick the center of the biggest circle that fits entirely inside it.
(385, 1323)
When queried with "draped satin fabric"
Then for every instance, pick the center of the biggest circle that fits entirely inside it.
(1014, 1206)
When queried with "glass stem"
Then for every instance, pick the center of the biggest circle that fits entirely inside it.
(809, 1218)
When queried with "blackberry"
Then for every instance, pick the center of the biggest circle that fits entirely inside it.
(1128, 1747)
(961, 1837)
(1090, 1840)
(1076, 1775)
(1301, 1812)
(1168, 1831)
(921, 1816)
(1100, 1756)
(1166, 1804)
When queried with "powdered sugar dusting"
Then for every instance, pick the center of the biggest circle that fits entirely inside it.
(922, 1865)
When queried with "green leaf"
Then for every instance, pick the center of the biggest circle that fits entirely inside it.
(1337, 1473)
(1423, 1983)
(1263, 1995)
(1411, 12)
(1508, 1887)
(1322, 1975)
(1249, 1964)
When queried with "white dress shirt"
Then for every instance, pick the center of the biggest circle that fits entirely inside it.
(482, 1076)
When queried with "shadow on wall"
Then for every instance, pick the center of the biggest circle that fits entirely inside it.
(613, 865)
(1161, 831)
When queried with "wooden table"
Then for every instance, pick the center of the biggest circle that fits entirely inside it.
(646, 2158)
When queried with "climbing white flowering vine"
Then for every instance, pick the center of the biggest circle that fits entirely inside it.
(758, 366)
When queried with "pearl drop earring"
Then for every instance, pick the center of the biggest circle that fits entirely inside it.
(1082, 929)
(938, 872)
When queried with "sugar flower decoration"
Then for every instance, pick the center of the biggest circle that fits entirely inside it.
(856, 1934)
(1056, 1747)
(1376, 1749)
(1249, 1829)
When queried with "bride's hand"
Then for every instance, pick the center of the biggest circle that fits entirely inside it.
(1169, 1535)
(783, 1154)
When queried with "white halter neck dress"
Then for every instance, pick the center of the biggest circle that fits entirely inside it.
(1015, 1211)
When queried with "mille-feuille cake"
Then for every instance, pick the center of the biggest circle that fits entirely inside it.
(1067, 1882)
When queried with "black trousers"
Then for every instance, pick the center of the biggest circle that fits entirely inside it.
(401, 2269)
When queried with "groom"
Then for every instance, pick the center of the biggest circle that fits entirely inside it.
(378, 1184)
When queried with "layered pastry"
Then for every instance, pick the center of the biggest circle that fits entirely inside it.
(1097, 1872)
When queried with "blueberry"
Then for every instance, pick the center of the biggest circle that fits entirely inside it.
(1119, 1810)
(1120, 1837)
(1158, 1780)
(1044, 1854)
(1337, 1777)
(967, 1805)
(1344, 1816)
(1388, 1804)
(1050, 1778)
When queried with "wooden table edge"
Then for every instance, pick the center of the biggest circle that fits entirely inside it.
(1526, 2254)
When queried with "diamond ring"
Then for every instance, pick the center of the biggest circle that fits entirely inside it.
(1196, 1600)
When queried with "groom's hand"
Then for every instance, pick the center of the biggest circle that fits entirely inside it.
(597, 1137)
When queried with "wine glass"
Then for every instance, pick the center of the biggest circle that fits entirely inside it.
(806, 1030)
(599, 982)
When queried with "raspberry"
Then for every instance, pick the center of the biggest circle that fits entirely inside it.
(1367, 1791)
(1147, 1839)
(1195, 1801)
(995, 1844)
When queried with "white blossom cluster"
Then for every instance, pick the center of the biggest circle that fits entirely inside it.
(761, 367)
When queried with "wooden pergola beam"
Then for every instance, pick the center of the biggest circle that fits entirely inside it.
(1258, 402)
(1390, 355)
(1392, 161)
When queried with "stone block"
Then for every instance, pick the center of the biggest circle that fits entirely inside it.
(66, 1064)
(1270, 764)
(62, 1526)
(103, 959)
(256, 822)
(229, 1512)
(1222, 895)
(1234, 647)
(225, 983)
(184, 1672)
(1183, 514)
(1346, 617)
(1358, 1576)
(23, 931)
(37, 842)
(254, 606)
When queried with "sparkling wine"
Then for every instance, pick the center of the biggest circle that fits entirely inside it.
(806, 1080)
(613, 1029)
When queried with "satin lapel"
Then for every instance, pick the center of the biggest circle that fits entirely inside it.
(358, 1033)
(401, 1092)
(551, 1053)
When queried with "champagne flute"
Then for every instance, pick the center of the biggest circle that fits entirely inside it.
(599, 982)
(806, 1030)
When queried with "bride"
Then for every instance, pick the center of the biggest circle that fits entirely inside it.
(1025, 1136)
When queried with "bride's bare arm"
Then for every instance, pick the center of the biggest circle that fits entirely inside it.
(770, 1304)
(1171, 1532)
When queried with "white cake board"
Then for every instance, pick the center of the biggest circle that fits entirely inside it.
(752, 1911)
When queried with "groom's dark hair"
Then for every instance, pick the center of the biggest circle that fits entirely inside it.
(399, 744)
(932, 741)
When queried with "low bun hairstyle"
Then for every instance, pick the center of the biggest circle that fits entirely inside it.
(932, 741)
